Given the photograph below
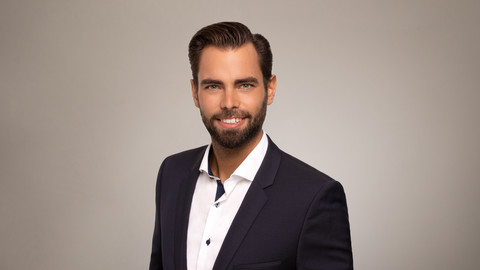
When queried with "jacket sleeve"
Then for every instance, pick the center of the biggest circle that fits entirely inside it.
(325, 238)
(156, 255)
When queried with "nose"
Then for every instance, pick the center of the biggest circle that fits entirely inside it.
(230, 99)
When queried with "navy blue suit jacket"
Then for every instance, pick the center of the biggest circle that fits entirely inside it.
(292, 217)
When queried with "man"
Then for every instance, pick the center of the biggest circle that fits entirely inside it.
(240, 202)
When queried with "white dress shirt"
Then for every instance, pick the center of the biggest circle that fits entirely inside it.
(209, 219)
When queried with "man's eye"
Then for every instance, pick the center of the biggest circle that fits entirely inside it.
(212, 87)
(245, 86)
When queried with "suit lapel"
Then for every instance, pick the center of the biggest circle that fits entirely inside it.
(184, 201)
(251, 206)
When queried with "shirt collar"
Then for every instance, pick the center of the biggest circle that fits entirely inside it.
(249, 167)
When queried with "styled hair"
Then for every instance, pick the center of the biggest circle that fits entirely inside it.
(229, 35)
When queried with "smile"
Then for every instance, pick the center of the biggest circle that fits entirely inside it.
(231, 120)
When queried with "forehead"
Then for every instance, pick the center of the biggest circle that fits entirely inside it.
(221, 63)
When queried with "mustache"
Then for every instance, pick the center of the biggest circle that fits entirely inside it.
(229, 113)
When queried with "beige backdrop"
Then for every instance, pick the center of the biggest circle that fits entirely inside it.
(384, 96)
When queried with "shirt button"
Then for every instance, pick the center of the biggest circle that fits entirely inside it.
(208, 241)
(217, 205)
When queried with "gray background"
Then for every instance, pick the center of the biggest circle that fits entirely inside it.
(383, 96)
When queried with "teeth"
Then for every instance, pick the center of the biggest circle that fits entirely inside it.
(231, 121)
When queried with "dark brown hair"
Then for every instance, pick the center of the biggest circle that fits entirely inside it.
(228, 35)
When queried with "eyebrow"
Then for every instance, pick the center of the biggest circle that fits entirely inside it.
(211, 81)
(252, 80)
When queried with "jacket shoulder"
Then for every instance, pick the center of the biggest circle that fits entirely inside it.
(294, 168)
(290, 170)
(186, 159)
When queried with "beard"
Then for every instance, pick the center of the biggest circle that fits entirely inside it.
(236, 138)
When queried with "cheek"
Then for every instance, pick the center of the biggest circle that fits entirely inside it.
(256, 101)
(206, 104)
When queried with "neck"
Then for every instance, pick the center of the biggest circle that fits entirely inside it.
(225, 161)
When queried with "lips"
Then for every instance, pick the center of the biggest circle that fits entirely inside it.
(231, 120)
(231, 123)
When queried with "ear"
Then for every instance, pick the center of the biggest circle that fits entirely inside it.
(194, 94)
(271, 88)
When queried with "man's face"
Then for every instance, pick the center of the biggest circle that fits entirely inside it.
(231, 94)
